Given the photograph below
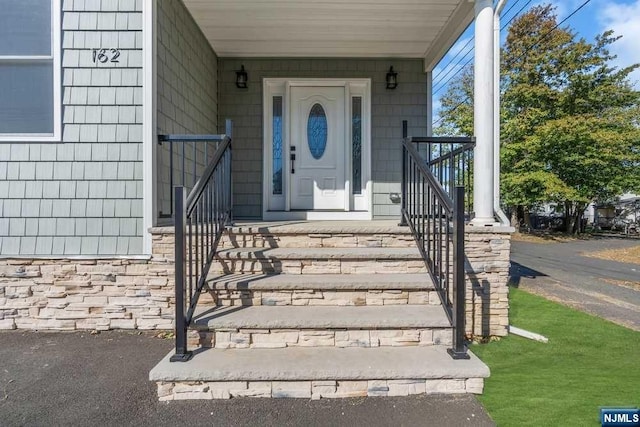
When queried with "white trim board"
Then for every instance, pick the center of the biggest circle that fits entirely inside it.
(149, 136)
(458, 23)
(357, 207)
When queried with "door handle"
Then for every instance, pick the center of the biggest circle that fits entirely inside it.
(292, 157)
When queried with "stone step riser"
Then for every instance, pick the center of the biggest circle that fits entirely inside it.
(187, 390)
(318, 266)
(281, 338)
(317, 241)
(312, 297)
(269, 242)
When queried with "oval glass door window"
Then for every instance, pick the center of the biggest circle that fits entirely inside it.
(317, 131)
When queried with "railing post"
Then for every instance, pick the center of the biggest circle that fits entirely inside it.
(403, 200)
(458, 350)
(182, 354)
(229, 132)
(171, 204)
(452, 172)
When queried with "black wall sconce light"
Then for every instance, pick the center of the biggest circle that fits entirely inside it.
(392, 79)
(241, 78)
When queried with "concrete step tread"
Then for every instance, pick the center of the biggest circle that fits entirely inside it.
(340, 282)
(319, 363)
(321, 317)
(319, 227)
(321, 253)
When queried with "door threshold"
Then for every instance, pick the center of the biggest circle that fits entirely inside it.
(317, 215)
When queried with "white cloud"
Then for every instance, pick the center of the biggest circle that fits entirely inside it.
(458, 46)
(624, 19)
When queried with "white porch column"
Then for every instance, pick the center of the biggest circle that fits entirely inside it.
(429, 103)
(483, 191)
(429, 112)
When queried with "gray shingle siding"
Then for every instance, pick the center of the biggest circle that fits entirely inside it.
(389, 108)
(187, 103)
(83, 195)
(54, 196)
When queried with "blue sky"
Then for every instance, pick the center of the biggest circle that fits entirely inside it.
(622, 16)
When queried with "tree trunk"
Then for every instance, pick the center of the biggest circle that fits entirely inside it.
(521, 217)
(577, 214)
(526, 216)
(515, 223)
(568, 218)
(577, 221)
(573, 217)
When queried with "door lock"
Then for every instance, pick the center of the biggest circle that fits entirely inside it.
(292, 157)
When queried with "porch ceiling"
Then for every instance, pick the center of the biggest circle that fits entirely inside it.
(332, 28)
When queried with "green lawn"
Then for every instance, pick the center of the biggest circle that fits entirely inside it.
(587, 363)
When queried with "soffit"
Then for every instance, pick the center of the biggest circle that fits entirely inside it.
(332, 28)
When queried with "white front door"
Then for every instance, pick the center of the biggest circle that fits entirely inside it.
(317, 149)
(317, 142)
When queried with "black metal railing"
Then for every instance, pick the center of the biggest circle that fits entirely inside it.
(200, 220)
(181, 160)
(436, 219)
(450, 159)
(453, 165)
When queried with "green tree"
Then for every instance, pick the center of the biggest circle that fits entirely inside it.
(456, 106)
(570, 120)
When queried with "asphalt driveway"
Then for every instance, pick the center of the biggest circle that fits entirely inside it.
(81, 379)
(560, 272)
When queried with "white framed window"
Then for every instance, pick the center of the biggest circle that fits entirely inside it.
(30, 104)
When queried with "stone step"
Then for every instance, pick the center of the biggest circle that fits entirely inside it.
(320, 282)
(319, 289)
(319, 372)
(319, 227)
(321, 317)
(340, 234)
(318, 234)
(280, 338)
(275, 327)
(310, 297)
(321, 253)
(319, 260)
(317, 240)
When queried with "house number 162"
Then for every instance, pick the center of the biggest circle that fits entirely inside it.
(102, 56)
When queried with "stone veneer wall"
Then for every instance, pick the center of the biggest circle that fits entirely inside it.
(118, 293)
(487, 276)
(69, 294)
(324, 389)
